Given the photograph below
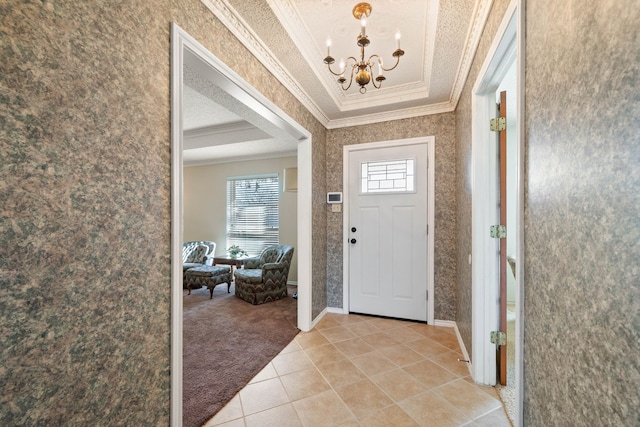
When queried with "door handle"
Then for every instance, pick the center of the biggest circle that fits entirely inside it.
(353, 240)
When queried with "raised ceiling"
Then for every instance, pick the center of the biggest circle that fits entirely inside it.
(289, 37)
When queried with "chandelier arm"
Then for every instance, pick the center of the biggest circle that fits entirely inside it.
(341, 73)
(353, 67)
(397, 54)
(373, 81)
(331, 71)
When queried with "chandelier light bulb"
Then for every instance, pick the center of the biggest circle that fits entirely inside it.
(328, 47)
(398, 35)
(363, 25)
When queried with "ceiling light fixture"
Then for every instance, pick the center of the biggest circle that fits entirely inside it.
(363, 70)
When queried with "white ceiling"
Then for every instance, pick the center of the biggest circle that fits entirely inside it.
(289, 37)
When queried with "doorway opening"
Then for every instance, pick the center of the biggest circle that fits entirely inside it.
(506, 53)
(271, 119)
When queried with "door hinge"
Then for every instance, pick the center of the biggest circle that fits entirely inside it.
(499, 338)
(427, 295)
(498, 124)
(498, 231)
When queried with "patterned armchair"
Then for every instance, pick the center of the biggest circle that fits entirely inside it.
(196, 254)
(264, 278)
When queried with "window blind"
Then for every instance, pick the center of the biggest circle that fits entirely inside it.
(253, 221)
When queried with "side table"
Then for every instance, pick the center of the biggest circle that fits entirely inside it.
(226, 260)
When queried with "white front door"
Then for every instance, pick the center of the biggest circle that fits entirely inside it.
(387, 231)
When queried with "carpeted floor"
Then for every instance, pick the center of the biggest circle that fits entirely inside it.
(226, 342)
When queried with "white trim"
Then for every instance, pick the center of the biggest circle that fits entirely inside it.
(176, 226)
(246, 158)
(318, 318)
(520, 289)
(387, 116)
(480, 16)
(463, 348)
(337, 310)
(507, 46)
(347, 149)
(217, 72)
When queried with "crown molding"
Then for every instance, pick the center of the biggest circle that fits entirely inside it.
(480, 15)
(229, 17)
(233, 127)
(246, 158)
(287, 13)
(406, 113)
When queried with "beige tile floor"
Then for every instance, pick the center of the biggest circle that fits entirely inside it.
(353, 370)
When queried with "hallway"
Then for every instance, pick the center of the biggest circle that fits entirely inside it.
(354, 370)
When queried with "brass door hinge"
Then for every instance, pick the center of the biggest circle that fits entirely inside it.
(498, 231)
(499, 338)
(498, 124)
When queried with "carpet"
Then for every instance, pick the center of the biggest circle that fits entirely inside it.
(226, 342)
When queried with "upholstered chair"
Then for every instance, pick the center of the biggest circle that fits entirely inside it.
(196, 254)
(264, 278)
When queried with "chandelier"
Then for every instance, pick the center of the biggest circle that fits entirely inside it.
(361, 69)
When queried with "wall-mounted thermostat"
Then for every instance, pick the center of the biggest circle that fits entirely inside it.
(334, 197)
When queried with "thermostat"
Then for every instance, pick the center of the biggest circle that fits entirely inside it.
(334, 197)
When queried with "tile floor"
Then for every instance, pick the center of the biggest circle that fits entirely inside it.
(353, 370)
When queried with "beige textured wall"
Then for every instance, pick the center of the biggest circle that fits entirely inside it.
(85, 211)
(205, 196)
(442, 126)
(464, 176)
(582, 213)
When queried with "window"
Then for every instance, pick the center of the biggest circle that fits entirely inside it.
(252, 212)
(387, 176)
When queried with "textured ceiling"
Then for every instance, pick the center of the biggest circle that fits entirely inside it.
(289, 37)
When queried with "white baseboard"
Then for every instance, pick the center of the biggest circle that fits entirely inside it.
(315, 321)
(454, 325)
(337, 310)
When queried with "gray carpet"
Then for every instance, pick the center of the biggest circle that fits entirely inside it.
(227, 341)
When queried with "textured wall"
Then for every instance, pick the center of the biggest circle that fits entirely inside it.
(442, 126)
(464, 176)
(582, 221)
(85, 211)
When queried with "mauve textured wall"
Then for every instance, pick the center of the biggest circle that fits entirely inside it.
(442, 126)
(582, 214)
(85, 211)
(464, 176)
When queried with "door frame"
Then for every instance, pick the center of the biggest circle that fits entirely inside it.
(346, 151)
(218, 73)
(508, 46)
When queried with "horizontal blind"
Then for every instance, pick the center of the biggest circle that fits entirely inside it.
(253, 221)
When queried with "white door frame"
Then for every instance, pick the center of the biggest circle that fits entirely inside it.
(232, 84)
(507, 46)
(347, 149)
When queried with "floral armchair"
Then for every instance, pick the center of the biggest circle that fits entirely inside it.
(264, 278)
(196, 254)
